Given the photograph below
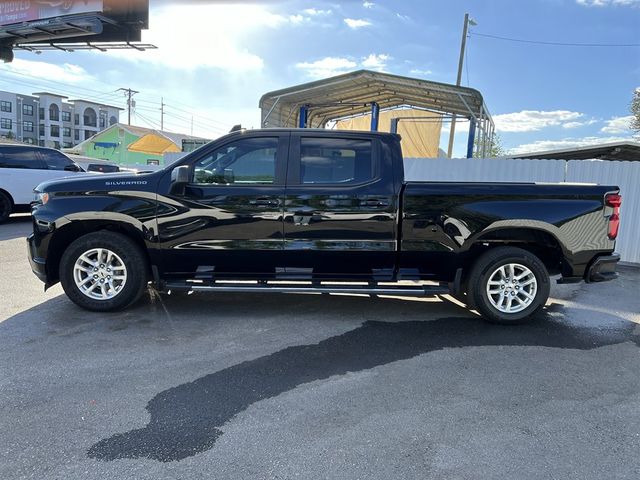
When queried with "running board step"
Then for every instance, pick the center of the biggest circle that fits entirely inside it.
(400, 290)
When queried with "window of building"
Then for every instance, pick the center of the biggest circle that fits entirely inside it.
(335, 161)
(248, 162)
(66, 116)
(76, 134)
(27, 126)
(67, 144)
(76, 119)
(27, 110)
(90, 117)
(41, 130)
(113, 120)
(56, 145)
(55, 131)
(66, 131)
(41, 113)
(5, 106)
(41, 143)
(54, 113)
(29, 141)
(6, 123)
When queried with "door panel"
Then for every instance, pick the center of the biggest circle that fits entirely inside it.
(229, 220)
(340, 213)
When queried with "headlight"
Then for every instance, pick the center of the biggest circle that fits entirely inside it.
(41, 198)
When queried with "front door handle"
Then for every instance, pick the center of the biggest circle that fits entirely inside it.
(265, 202)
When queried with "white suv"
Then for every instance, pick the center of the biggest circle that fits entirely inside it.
(22, 168)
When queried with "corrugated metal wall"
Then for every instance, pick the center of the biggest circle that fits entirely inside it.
(483, 170)
(624, 174)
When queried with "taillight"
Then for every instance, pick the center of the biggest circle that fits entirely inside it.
(613, 200)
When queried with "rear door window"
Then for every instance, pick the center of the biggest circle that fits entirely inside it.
(340, 161)
(26, 158)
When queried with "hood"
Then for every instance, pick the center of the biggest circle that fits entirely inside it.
(101, 182)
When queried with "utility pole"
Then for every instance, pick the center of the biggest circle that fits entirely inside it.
(463, 45)
(130, 103)
(192, 125)
(162, 114)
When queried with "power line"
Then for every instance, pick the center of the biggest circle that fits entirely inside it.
(563, 44)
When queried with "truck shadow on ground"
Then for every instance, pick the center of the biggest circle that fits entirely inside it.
(17, 226)
(187, 419)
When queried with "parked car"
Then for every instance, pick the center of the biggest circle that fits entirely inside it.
(95, 165)
(22, 167)
(319, 211)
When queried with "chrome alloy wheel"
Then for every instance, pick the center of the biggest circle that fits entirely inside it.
(512, 288)
(100, 274)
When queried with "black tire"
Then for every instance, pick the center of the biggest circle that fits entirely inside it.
(6, 206)
(484, 268)
(132, 257)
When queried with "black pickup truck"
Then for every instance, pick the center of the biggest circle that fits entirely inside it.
(292, 210)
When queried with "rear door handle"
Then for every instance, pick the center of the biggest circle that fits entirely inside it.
(376, 202)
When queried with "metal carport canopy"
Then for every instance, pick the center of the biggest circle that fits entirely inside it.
(353, 93)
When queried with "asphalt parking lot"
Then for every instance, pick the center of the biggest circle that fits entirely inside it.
(311, 386)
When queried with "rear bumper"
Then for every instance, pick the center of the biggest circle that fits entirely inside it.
(38, 265)
(602, 269)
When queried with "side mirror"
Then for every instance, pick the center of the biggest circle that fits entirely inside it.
(229, 177)
(180, 177)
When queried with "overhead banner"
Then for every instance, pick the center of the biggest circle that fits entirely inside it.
(19, 11)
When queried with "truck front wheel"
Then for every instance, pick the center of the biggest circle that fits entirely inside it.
(508, 285)
(103, 271)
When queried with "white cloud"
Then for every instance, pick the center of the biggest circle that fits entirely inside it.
(64, 73)
(606, 3)
(297, 18)
(366, 4)
(533, 120)
(327, 67)
(314, 12)
(376, 61)
(356, 22)
(617, 125)
(405, 18)
(185, 33)
(330, 66)
(543, 145)
(419, 72)
(586, 123)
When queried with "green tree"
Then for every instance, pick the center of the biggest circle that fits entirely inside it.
(635, 111)
(493, 149)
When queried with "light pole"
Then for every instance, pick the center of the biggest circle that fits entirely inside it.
(467, 21)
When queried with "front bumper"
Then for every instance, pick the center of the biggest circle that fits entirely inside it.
(38, 265)
(602, 269)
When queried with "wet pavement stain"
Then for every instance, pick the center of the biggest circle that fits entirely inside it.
(186, 419)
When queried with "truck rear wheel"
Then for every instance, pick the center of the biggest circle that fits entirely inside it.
(103, 271)
(5, 207)
(508, 285)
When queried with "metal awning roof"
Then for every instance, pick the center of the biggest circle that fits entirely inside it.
(352, 94)
(629, 150)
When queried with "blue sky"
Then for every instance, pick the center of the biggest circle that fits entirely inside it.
(217, 58)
